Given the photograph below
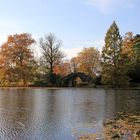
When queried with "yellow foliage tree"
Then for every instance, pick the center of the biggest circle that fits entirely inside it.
(89, 61)
(74, 63)
(16, 59)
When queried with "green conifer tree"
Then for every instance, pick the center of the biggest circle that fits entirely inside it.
(113, 69)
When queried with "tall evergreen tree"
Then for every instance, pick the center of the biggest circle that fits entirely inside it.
(113, 70)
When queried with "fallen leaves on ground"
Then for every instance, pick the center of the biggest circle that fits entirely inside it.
(125, 127)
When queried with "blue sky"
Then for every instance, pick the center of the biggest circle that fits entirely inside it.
(78, 23)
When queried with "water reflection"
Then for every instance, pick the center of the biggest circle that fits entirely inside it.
(122, 101)
(15, 114)
(52, 114)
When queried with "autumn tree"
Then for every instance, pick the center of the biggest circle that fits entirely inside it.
(127, 47)
(17, 58)
(135, 72)
(128, 52)
(60, 71)
(6, 66)
(89, 61)
(63, 69)
(131, 53)
(51, 54)
(113, 66)
(74, 64)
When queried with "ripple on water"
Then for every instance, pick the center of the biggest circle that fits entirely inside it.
(41, 114)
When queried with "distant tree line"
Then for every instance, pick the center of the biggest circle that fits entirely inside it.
(118, 65)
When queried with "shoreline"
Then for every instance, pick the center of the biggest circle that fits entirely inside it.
(61, 87)
(127, 126)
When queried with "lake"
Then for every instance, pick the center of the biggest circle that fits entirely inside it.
(61, 113)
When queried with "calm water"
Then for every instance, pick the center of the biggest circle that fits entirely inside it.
(56, 114)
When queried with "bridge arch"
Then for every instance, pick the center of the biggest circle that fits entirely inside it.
(69, 80)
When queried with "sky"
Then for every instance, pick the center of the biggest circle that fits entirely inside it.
(77, 23)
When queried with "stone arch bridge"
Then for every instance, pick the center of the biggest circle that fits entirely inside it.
(69, 80)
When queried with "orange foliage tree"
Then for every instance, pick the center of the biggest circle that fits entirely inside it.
(62, 69)
(131, 52)
(87, 61)
(16, 59)
(6, 67)
(127, 48)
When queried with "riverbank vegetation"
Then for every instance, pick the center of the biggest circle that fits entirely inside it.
(124, 127)
(118, 65)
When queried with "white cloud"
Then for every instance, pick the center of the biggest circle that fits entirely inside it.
(107, 6)
(97, 44)
(72, 52)
(10, 24)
